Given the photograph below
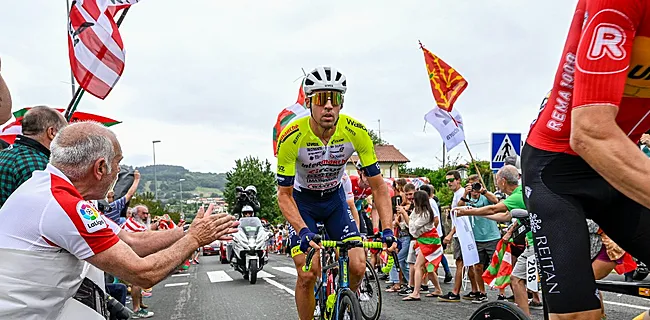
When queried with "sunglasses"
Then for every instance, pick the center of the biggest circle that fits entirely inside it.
(451, 179)
(320, 98)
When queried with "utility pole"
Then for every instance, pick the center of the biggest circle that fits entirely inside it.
(379, 122)
(155, 178)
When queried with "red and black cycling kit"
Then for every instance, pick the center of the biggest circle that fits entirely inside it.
(359, 193)
(606, 61)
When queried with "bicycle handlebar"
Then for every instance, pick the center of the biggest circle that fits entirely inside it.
(337, 244)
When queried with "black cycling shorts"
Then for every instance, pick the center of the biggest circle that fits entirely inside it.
(332, 210)
(561, 191)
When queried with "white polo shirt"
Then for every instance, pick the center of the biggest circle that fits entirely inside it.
(47, 231)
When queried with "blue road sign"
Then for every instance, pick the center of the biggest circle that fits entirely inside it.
(504, 145)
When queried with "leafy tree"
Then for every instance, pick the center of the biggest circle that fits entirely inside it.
(252, 171)
(376, 140)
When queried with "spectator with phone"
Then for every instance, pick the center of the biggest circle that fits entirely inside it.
(486, 232)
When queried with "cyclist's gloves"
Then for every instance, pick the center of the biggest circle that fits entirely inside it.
(305, 237)
(387, 237)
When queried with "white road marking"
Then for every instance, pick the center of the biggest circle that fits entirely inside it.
(276, 284)
(288, 270)
(218, 276)
(176, 284)
(626, 305)
(181, 275)
(262, 274)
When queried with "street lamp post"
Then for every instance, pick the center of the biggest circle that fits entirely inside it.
(155, 178)
(180, 181)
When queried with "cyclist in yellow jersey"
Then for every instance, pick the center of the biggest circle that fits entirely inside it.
(312, 153)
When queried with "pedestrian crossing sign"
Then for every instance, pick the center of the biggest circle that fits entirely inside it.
(503, 146)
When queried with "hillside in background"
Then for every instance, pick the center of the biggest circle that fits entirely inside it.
(168, 176)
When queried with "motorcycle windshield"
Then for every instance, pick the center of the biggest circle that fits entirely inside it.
(250, 226)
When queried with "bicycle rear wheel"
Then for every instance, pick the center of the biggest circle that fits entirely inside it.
(349, 308)
(370, 294)
(499, 310)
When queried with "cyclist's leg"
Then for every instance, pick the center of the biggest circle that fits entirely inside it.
(340, 225)
(560, 231)
(305, 281)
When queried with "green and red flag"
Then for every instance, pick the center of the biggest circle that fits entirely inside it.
(285, 117)
(301, 96)
(498, 273)
(9, 132)
(446, 83)
(431, 247)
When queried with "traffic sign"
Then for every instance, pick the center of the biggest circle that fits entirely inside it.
(504, 145)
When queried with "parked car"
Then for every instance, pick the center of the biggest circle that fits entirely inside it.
(217, 247)
(213, 248)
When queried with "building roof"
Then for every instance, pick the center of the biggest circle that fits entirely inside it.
(386, 153)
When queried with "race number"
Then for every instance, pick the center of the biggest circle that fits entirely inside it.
(532, 277)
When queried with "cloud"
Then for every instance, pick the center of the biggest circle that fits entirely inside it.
(209, 78)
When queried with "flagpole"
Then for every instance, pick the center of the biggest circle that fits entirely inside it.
(474, 162)
(72, 81)
(76, 98)
(444, 151)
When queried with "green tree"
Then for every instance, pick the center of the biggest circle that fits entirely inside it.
(252, 171)
(376, 140)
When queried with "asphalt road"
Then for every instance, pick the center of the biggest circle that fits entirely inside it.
(212, 290)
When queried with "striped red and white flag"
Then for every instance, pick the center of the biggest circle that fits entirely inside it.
(95, 46)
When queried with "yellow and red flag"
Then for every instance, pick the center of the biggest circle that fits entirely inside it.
(446, 83)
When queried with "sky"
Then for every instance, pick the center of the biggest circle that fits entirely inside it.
(209, 78)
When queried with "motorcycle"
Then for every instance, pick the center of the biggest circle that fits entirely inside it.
(247, 252)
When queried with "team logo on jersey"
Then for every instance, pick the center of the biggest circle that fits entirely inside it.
(90, 217)
(606, 53)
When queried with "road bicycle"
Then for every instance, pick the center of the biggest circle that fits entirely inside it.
(509, 311)
(335, 299)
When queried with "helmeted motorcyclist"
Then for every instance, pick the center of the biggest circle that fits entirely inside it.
(247, 211)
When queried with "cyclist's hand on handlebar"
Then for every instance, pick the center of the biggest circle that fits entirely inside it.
(307, 240)
(388, 238)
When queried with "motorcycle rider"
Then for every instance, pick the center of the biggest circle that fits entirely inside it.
(246, 197)
(247, 212)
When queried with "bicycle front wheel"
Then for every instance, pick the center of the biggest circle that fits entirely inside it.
(499, 310)
(349, 308)
(370, 294)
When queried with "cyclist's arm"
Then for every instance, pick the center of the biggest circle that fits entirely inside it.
(599, 86)
(381, 201)
(289, 208)
(286, 171)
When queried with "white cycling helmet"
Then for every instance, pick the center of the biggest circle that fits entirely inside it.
(324, 78)
(251, 188)
(246, 209)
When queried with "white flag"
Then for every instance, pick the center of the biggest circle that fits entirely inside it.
(449, 125)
